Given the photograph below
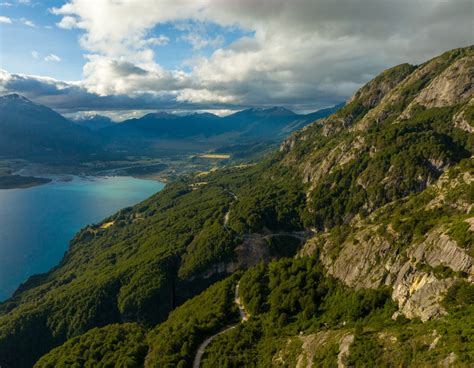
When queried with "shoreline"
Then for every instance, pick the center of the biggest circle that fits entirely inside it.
(21, 182)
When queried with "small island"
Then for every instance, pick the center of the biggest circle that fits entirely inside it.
(18, 181)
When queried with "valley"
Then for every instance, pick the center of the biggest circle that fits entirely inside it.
(158, 145)
(350, 244)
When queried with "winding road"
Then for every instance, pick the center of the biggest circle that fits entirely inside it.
(242, 313)
(227, 215)
(243, 317)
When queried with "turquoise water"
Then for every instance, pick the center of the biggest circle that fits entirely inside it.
(36, 224)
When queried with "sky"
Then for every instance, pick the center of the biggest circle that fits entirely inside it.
(126, 57)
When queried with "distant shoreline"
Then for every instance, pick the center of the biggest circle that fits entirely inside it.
(21, 182)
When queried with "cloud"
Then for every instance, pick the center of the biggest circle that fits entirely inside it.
(197, 35)
(303, 54)
(70, 97)
(35, 54)
(5, 20)
(53, 58)
(107, 76)
(162, 40)
(6, 4)
(67, 23)
(198, 42)
(27, 22)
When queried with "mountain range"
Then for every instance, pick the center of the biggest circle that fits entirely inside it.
(352, 245)
(33, 131)
(208, 130)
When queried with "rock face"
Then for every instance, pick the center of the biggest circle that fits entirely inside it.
(418, 292)
(374, 262)
(370, 260)
(373, 92)
(436, 83)
(253, 249)
(440, 250)
(307, 346)
(453, 86)
(344, 346)
(365, 257)
(463, 119)
(323, 164)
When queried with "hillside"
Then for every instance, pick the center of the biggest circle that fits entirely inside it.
(33, 131)
(352, 244)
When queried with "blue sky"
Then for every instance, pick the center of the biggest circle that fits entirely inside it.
(43, 37)
(19, 40)
(123, 57)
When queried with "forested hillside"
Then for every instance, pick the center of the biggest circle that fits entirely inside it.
(353, 244)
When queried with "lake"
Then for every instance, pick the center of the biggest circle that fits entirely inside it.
(37, 223)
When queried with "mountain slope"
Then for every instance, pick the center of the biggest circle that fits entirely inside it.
(33, 131)
(271, 124)
(377, 202)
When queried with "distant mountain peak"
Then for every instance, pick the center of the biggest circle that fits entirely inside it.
(279, 109)
(162, 114)
(268, 111)
(274, 109)
(20, 102)
(94, 122)
(93, 117)
(97, 116)
(15, 97)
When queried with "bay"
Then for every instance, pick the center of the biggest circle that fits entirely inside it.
(37, 223)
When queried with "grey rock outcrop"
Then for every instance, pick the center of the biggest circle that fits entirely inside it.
(369, 261)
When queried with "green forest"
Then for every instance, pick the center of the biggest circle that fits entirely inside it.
(387, 177)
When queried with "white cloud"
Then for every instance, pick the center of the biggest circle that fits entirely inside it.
(107, 76)
(5, 20)
(198, 42)
(35, 54)
(197, 35)
(67, 23)
(162, 40)
(27, 22)
(52, 57)
(70, 97)
(6, 4)
(300, 53)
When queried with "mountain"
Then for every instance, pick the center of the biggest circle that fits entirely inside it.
(94, 122)
(33, 131)
(352, 245)
(255, 124)
(166, 125)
